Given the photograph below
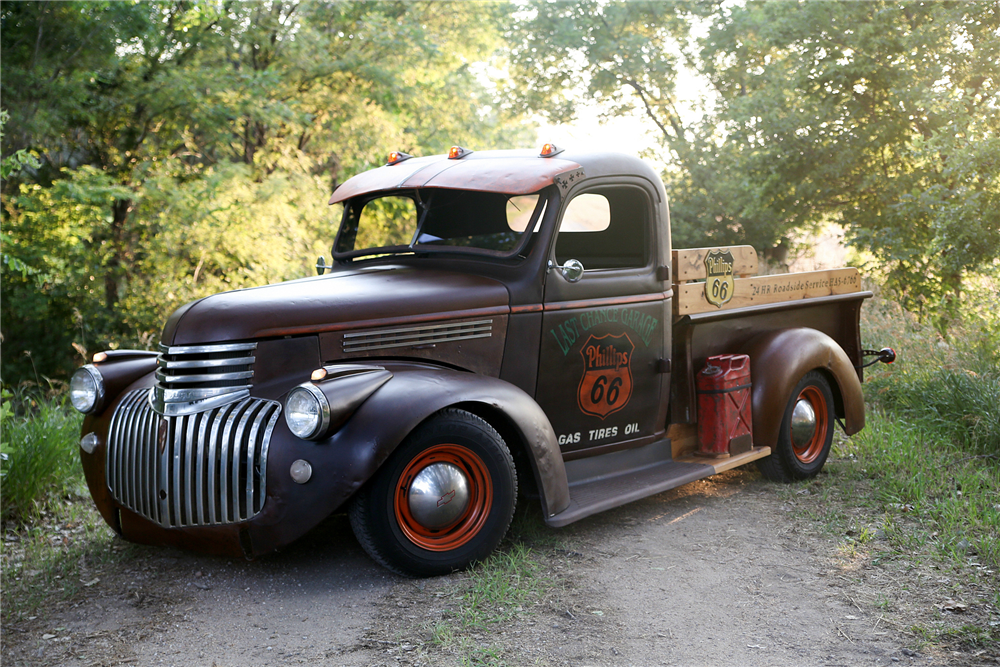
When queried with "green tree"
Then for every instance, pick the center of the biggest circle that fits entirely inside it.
(202, 139)
(881, 116)
(627, 57)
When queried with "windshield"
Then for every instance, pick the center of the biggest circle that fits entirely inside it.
(438, 220)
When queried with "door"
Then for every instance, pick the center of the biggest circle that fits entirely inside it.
(602, 335)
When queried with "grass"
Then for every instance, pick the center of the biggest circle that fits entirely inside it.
(918, 490)
(65, 550)
(507, 587)
(917, 476)
(54, 542)
(39, 463)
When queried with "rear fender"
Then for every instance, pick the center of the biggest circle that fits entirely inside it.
(779, 359)
(416, 392)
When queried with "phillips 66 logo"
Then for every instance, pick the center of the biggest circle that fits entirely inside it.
(606, 384)
(719, 283)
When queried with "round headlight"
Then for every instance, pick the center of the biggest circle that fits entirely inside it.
(307, 412)
(86, 389)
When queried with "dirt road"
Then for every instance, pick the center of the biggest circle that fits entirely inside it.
(715, 573)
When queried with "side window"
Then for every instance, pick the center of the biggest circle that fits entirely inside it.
(605, 229)
(519, 211)
(589, 212)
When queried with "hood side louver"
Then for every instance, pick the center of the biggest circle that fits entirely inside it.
(416, 336)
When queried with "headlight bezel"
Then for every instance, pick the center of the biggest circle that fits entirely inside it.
(87, 371)
(322, 416)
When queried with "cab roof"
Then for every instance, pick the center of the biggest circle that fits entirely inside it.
(512, 172)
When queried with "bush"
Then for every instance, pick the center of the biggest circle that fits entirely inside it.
(38, 453)
(952, 385)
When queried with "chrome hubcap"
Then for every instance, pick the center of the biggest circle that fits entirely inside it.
(439, 495)
(803, 423)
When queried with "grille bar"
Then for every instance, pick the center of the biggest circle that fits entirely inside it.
(163, 378)
(197, 378)
(204, 469)
(382, 339)
(206, 363)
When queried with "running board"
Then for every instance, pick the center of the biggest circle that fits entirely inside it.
(600, 483)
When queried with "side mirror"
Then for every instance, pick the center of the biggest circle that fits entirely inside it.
(322, 266)
(572, 270)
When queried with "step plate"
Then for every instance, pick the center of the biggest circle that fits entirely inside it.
(590, 495)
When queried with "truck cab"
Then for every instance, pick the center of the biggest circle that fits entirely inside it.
(492, 324)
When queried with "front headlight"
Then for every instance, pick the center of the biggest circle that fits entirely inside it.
(307, 412)
(86, 389)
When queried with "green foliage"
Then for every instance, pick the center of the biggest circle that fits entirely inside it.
(881, 116)
(920, 476)
(952, 387)
(933, 442)
(627, 56)
(39, 463)
(186, 148)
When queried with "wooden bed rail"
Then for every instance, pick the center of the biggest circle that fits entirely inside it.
(711, 279)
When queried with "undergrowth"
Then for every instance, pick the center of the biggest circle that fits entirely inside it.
(63, 551)
(508, 586)
(925, 470)
(39, 461)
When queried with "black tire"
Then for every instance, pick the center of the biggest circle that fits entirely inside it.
(388, 530)
(794, 460)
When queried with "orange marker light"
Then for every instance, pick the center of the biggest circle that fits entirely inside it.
(100, 356)
(457, 153)
(548, 150)
(396, 157)
(318, 374)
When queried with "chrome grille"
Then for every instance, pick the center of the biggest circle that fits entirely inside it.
(429, 334)
(195, 470)
(193, 378)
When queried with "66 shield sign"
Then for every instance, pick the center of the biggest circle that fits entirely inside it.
(606, 385)
(719, 282)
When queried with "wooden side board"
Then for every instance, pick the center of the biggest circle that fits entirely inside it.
(689, 263)
(690, 298)
(684, 448)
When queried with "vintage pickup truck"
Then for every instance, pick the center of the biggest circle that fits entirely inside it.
(492, 323)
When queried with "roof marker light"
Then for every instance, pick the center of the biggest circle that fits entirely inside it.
(550, 150)
(396, 157)
(457, 153)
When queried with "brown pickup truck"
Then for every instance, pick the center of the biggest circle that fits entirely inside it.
(492, 323)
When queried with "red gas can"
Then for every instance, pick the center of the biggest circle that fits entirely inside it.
(724, 426)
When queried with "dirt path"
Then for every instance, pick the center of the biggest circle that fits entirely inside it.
(714, 573)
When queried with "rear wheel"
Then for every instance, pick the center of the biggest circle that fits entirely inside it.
(442, 501)
(806, 432)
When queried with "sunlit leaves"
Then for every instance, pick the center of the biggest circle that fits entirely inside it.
(224, 128)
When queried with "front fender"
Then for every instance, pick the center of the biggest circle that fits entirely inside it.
(779, 359)
(417, 391)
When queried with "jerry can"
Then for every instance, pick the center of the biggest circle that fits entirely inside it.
(724, 421)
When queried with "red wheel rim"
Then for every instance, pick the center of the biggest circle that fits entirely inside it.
(471, 521)
(810, 451)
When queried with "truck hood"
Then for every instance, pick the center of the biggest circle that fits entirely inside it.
(338, 301)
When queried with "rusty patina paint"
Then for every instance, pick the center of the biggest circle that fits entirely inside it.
(508, 172)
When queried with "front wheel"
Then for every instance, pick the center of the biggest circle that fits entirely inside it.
(442, 501)
(806, 432)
